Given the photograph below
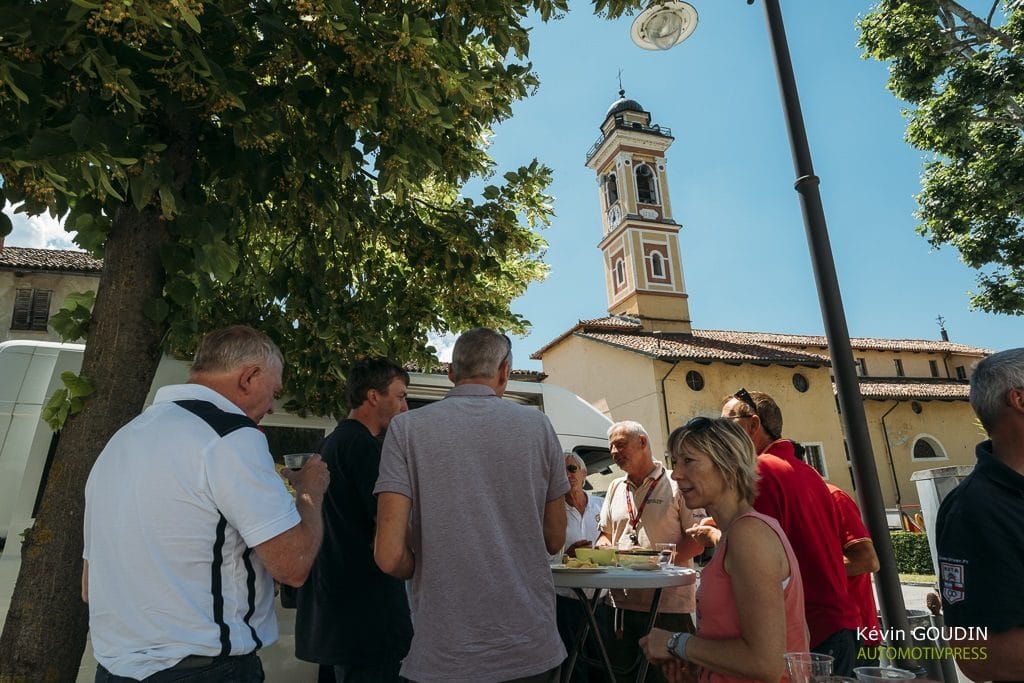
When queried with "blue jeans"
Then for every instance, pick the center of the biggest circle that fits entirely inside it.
(238, 669)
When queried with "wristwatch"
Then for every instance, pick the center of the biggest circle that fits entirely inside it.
(677, 644)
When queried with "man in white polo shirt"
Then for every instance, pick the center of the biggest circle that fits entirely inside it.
(641, 509)
(187, 524)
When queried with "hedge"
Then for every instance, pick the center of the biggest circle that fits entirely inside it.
(911, 552)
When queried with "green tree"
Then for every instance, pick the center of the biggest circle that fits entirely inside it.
(964, 75)
(295, 164)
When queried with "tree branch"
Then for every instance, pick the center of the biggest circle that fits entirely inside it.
(982, 29)
(992, 12)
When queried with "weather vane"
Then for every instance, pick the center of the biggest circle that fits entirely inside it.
(621, 90)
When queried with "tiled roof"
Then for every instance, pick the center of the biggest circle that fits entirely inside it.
(703, 345)
(442, 369)
(907, 388)
(54, 260)
(865, 343)
(768, 343)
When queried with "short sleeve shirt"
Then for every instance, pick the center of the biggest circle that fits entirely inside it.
(479, 471)
(167, 502)
(335, 624)
(851, 531)
(664, 519)
(795, 494)
(980, 546)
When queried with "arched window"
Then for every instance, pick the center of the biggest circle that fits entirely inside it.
(927, 448)
(611, 189)
(646, 186)
(657, 265)
(620, 272)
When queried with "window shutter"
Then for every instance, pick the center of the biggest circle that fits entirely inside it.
(40, 308)
(22, 310)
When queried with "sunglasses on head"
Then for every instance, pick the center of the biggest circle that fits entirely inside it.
(572, 469)
(698, 424)
(744, 396)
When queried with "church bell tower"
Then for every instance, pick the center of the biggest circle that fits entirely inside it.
(643, 270)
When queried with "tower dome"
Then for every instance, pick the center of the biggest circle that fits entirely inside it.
(622, 104)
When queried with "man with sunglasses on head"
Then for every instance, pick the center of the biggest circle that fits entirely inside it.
(642, 509)
(795, 494)
(470, 506)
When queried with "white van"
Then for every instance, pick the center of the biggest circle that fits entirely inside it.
(30, 373)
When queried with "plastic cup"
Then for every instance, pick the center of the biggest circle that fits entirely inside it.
(666, 553)
(877, 674)
(805, 667)
(295, 461)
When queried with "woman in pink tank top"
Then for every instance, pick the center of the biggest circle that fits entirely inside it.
(750, 603)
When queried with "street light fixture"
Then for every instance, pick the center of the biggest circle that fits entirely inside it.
(652, 29)
(664, 25)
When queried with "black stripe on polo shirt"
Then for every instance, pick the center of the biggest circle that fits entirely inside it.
(250, 584)
(217, 588)
(219, 420)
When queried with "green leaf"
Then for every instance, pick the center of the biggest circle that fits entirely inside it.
(77, 385)
(188, 16)
(49, 143)
(5, 225)
(181, 291)
(156, 310)
(55, 411)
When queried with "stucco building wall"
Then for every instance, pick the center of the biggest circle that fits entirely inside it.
(61, 284)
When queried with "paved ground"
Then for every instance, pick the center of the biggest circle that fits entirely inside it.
(914, 597)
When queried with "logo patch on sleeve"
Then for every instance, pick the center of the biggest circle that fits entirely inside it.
(952, 575)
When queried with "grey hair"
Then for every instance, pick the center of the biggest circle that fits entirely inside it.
(577, 459)
(479, 353)
(631, 427)
(993, 377)
(231, 347)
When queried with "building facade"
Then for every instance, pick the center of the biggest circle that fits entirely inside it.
(33, 285)
(645, 361)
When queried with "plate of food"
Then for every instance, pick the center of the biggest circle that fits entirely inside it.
(644, 566)
(577, 570)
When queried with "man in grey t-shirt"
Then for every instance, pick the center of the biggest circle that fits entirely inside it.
(470, 507)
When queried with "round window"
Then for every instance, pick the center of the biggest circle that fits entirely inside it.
(800, 382)
(695, 380)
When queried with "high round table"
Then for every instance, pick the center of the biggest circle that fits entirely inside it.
(611, 578)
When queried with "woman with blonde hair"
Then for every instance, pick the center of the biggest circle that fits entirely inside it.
(750, 604)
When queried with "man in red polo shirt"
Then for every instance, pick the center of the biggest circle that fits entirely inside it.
(796, 495)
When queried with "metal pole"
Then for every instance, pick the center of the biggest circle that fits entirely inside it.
(851, 406)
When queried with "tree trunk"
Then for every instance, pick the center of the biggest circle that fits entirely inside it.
(44, 636)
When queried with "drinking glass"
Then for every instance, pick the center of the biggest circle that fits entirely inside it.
(295, 461)
(805, 667)
(879, 674)
(666, 553)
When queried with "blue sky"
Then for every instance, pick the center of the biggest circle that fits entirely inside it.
(744, 252)
(745, 256)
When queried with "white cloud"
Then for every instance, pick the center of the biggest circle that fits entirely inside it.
(38, 232)
(444, 343)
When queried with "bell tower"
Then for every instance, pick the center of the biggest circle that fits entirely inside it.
(643, 270)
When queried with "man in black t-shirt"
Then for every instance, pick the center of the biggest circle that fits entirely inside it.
(351, 615)
(980, 531)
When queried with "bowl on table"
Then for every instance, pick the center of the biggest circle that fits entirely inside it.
(602, 556)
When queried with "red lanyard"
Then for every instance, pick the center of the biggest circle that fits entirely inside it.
(634, 518)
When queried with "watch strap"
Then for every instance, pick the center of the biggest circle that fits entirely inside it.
(678, 647)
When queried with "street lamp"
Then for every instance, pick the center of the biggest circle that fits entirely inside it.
(652, 31)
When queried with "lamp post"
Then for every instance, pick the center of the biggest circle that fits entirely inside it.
(650, 31)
